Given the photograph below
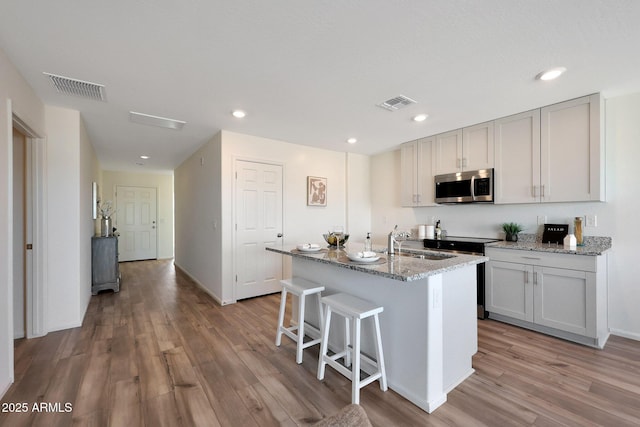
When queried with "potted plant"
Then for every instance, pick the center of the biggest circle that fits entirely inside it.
(511, 230)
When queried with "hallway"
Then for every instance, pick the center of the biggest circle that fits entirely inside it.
(162, 353)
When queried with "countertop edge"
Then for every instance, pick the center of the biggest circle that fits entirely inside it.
(464, 261)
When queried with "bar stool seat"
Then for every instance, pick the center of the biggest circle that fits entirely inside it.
(354, 310)
(301, 288)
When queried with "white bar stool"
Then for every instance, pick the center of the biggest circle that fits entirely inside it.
(301, 288)
(352, 309)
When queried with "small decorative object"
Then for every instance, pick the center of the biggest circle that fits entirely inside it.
(570, 242)
(106, 210)
(554, 233)
(316, 191)
(577, 224)
(511, 230)
(335, 240)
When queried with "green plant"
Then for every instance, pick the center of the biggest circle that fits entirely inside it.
(511, 228)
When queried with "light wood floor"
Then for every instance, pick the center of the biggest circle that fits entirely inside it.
(162, 353)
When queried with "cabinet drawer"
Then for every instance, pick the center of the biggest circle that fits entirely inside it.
(544, 259)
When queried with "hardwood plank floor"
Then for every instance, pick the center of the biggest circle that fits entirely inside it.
(162, 353)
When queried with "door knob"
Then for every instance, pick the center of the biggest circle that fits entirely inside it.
(279, 234)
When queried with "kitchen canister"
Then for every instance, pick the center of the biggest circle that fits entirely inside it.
(431, 231)
(577, 226)
(422, 231)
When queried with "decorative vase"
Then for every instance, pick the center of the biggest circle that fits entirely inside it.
(511, 237)
(105, 226)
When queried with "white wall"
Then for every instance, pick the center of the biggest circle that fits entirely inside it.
(198, 217)
(63, 183)
(204, 228)
(16, 97)
(164, 185)
(614, 217)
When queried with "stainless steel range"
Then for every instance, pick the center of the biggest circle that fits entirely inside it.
(465, 245)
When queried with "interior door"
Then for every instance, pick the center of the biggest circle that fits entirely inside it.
(258, 202)
(136, 223)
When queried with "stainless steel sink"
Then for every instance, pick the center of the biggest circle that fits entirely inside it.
(431, 257)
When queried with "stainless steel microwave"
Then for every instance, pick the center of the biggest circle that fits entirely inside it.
(465, 187)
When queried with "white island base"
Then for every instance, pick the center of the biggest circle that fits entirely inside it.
(429, 326)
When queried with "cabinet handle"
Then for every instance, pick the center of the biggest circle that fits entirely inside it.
(533, 189)
(526, 277)
(535, 277)
(542, 191)
(530, 257)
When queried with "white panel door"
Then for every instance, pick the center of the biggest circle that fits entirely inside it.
(136, 223)
(258, 201)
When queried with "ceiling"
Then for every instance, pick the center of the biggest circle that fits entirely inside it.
(313, 72)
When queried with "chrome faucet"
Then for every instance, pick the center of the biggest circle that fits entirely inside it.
(391, 240)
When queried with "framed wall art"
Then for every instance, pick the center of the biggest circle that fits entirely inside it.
(316, 191)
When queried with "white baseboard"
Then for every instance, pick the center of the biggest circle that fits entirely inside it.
(200, 285)
(625, 334)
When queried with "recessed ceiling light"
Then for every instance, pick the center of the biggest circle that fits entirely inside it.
(551, 74)
(144, 157)
(352, 140)
(238, 114)
(420, 117)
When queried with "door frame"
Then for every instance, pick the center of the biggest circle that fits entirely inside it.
(35, 174)
(234, 213)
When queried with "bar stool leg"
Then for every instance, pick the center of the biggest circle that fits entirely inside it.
(300, 342)
(379, 355)
(324, 342)
(283, 304)
(355, 370)
(347, 342)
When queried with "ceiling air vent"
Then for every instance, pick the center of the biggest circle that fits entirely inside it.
(75, 87)
(397, 103)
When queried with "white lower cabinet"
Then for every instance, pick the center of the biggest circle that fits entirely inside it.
(564, 295)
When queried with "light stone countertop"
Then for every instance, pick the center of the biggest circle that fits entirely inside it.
(397, 267)
(593, 245)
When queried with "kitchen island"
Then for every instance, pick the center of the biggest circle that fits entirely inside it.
(429, 324)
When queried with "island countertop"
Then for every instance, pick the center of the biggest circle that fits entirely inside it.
(402, 267)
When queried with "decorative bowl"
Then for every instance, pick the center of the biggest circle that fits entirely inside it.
(332, 239)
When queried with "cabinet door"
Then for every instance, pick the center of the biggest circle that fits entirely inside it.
(448, 152)
(426, 165)
(571, 150)
(566, 300)
(509, 290)
(409, 173)
(478, 147)
(517, 158)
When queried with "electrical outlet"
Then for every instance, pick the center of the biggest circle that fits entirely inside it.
(591, 221)
(542, 219)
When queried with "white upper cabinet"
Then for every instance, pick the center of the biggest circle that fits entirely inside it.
(517, 151)
(416, 168)
(552, 154)
(470, 148)
(448, 152)
(572, 151)
(478, 146)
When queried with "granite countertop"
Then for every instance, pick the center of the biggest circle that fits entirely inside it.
(593, 245)
(397, 267)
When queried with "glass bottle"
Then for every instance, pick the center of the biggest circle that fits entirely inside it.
(367, 243)
(577, 226)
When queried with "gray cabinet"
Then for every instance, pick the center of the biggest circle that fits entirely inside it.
(559, 294)
(105, 273)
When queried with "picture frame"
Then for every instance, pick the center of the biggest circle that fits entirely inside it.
(316, 191)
